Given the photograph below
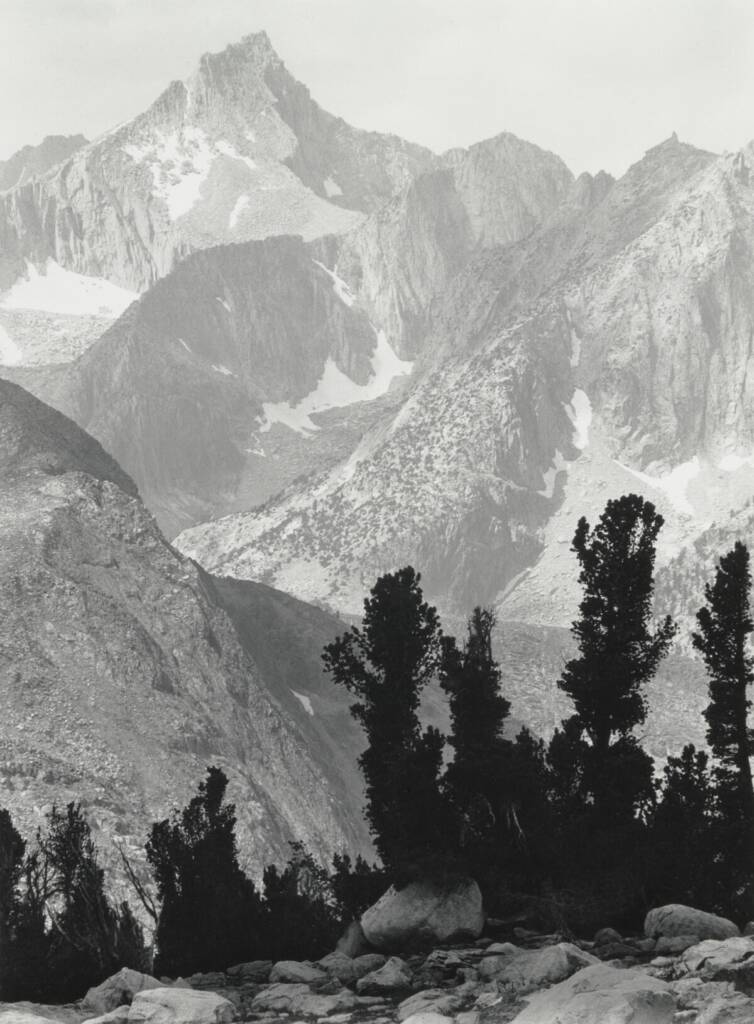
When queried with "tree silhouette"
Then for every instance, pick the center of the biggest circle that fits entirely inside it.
(478, 780)
(618, 653)
(210, 911)
(725, 627)
(386, 663)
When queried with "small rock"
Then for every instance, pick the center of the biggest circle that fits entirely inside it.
(607, 935)
(428, 1018)
(341, 967)
(368, 962)
(297, 972)
(179, 1006)
(392, 976)
(672, 945)
(277, 998)
(255, 972)
(117, 1016)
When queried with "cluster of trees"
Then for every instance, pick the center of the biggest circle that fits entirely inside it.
(580, 825)
(58, 928)
(578, 830)
(60, 933)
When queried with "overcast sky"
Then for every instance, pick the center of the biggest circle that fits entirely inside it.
(596, 81)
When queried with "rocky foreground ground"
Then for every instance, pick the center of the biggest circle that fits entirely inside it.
(688, 967)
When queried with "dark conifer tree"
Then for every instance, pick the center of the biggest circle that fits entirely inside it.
(89, 938)
(210, 911)
(618, 653)
(386, 663)
(725, 628)
(12, 849)
(683, 820)
(478, 780)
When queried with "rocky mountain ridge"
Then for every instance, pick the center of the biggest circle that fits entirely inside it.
(126, 669)
(34, 161)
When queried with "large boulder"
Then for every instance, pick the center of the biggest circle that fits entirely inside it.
(394, 976)
(677, 919)
(180, 1006)
(422, 915)
(526, 970)
(117, 990)
(599, 994)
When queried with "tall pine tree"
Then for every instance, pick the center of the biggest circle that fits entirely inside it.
(478, 780)
(725, 628)
(618, 653)
(386, 663)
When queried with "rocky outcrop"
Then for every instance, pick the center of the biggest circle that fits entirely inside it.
(123, 676)
(34, 161)
(421, 915)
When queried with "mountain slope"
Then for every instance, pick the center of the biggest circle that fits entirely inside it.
(201, 389)
(123, 675)
(598, 355)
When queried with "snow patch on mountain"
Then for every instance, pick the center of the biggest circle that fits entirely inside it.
(10, 352)
(241, 204)
(179, 164)
(335, 390)
(732, 463)
(306, 702)
(332, 188)
(579, 412)
(225, 149)
(340, 287)
(56, 290)
(674, 484)
(559, 464)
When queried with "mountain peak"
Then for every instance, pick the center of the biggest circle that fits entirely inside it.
(255, 49)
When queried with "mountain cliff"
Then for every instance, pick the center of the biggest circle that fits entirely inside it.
(126, 669)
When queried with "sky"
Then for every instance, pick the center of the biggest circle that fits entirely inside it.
(596, 81)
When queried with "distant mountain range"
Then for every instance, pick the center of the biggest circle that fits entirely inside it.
(321, 353)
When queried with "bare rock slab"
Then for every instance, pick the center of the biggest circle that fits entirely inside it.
(180, 1006)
